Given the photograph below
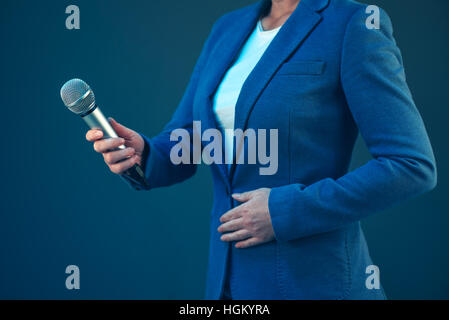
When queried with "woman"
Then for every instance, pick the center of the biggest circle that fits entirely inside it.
(314, 71)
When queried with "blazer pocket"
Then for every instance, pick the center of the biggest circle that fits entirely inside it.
(302, 68)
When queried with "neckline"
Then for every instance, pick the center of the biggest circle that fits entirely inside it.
(267, 32)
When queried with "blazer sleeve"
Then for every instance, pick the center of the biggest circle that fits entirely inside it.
(403, 164)
(159, 170)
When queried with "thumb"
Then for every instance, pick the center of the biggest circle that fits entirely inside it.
(243, 197)
(121, 130)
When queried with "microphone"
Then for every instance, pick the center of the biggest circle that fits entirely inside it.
(79, 98)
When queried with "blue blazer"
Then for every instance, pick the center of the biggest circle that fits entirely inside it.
(324, 78)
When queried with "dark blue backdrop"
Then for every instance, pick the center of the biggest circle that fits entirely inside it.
(60, 205)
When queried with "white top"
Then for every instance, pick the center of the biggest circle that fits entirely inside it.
(228, 92)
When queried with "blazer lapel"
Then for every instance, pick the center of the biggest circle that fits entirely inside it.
(294, 31)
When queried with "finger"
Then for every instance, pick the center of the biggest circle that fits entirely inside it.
(120, 129)
(121, 167)
(116, 156)
(105, 145)
(248, 243)
(94, 135)
(231, 214)
(232, 225)
(243, 197)
(236, 236)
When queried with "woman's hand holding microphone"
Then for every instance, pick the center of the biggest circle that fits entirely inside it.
(118, 160)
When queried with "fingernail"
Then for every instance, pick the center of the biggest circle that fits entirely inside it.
(236, 195)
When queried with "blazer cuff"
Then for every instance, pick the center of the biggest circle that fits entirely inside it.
(284, 211)
(147, 160)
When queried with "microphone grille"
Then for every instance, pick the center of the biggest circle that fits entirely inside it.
(77, 96)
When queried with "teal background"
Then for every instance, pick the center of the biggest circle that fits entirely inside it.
(60, 205)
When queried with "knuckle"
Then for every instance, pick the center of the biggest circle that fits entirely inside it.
(123, 154)
(107, 157)
(115, 168)
(253, 229)
(121, 167)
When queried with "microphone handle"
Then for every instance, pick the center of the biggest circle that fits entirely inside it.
(95, 119)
